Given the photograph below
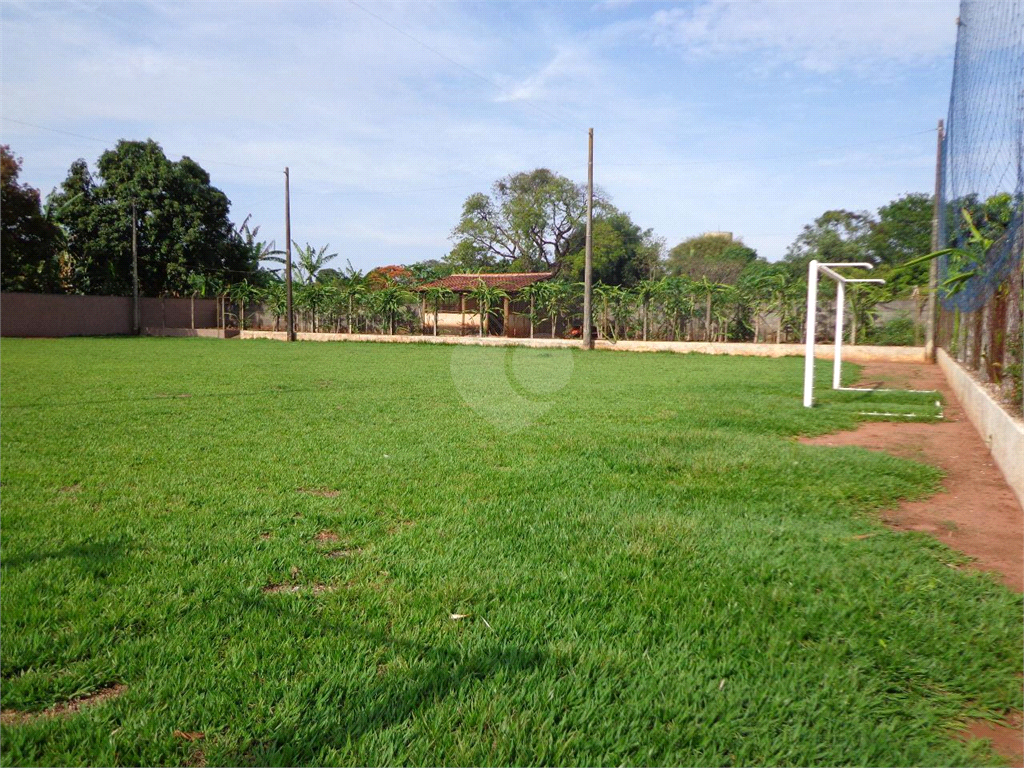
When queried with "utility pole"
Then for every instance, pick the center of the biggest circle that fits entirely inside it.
(288, 254)
(588, 264)
(136, 314)
(933, 268)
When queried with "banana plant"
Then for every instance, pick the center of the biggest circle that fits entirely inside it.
(964, 263)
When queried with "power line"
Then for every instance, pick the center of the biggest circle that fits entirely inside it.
(54, 130)
(460, 65)
(108, 143)
(762, 158)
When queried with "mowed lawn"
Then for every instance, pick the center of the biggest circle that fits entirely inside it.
(265, 545)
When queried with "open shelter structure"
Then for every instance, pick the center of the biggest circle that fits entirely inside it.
(463, 313)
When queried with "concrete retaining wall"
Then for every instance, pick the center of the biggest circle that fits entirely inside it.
(1003, 434)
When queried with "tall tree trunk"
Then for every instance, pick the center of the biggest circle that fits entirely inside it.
(707, 319)
(644, 310)
(531, 317)
(553, 326)
(437, 311)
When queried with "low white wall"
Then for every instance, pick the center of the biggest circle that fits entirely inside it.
(208, 333)
(1003, 434)
(821, 351)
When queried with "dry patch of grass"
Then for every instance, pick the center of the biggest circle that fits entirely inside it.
(324, 493)
(317, 588)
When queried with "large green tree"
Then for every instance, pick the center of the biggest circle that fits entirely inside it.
(182, 221)
(715, 256)
(903, 232)
(624, 254)
(835, 236)
(29, 241)
(526, 223)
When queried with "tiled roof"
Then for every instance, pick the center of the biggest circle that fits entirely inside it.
(510, 282)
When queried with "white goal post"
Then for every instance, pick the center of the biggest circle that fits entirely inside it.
(812, 310)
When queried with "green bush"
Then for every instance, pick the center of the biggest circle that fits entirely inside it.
(898, 332)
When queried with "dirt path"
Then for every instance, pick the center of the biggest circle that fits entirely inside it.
(975, 512)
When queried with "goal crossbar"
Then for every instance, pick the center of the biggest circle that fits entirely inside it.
(829, 270)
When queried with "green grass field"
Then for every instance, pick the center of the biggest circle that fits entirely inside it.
(265, 543)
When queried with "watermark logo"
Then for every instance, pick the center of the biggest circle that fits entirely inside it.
(511, 387)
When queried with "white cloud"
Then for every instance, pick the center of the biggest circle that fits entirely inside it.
(818, 35)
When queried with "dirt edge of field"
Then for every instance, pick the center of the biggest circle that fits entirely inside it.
(975, 513)
(64, 708)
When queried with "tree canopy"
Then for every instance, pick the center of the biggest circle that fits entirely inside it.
(624, 254)
(714, 255)
(182, 222)
(28, 239)
(525, 224)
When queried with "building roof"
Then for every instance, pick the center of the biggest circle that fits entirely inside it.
(510, 282)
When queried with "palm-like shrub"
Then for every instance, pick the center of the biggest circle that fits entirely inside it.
(436, 296)
(388, 303)
(486, 297)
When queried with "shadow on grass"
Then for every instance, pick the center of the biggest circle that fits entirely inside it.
(49, 406)
(95, 557)
(334, 718)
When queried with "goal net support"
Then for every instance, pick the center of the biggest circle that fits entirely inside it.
(829, 270)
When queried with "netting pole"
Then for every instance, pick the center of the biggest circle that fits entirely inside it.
(288, 255)
(812, 310)
(837, 364)
(588, 287)
(933, 268)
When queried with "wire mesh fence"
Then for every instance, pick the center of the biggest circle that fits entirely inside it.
(982, 205)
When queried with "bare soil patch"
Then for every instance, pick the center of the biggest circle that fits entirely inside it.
(324, 493)
(315, 589)
(1007, 738)
(64, 708)
(327, 537)
(71, 489)
(975, 512)
(340, 553)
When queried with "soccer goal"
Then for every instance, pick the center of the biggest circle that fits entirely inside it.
(829, 270)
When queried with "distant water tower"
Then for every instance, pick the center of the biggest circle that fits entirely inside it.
(726, 235)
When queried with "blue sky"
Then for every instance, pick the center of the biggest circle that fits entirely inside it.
(751, 117)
